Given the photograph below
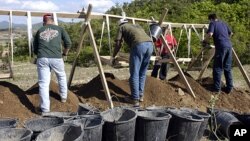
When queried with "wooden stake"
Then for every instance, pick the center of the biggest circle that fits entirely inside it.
(241, 67)
(86, 26)
(83, 30)
(177, 66)
(163, 16)
(103, 78)
(205, 65)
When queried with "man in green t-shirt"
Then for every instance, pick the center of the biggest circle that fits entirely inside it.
(47, 47)
(141, 49)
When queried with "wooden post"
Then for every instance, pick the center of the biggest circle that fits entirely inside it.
(241, 67)
(177, 66)
(86, 26)
(163, 16)
(103, 78)
(11, 37)
(205, 65)
(83, 30)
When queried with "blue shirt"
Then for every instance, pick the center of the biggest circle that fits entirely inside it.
(221, 34)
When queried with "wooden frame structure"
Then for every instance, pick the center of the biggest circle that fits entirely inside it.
(87, 15)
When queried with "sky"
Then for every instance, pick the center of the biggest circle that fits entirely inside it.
(100, 6)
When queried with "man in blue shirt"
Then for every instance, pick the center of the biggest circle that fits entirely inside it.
(223, 52)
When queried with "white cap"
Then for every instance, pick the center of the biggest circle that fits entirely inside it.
(121, 21)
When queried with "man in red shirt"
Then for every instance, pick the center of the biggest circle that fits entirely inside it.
(162, 50)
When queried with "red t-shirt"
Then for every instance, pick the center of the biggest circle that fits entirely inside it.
(171, 42)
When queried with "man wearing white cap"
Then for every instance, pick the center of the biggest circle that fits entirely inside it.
(141, 48)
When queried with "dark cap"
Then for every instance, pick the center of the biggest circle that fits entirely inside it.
(47, 16)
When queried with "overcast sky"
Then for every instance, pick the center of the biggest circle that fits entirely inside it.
(56, 6)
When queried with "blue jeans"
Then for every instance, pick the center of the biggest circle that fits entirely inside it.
(222, 61)
(44, 67)
(164, 67)
(138, 63)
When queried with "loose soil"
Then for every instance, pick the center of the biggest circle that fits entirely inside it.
(14, 102)
(163, 93)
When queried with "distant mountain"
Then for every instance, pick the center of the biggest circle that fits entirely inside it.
(5, 25)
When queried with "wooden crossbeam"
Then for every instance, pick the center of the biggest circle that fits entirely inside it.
(95, 15)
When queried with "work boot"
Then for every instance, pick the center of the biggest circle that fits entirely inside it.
(130, 100)
(227, 90)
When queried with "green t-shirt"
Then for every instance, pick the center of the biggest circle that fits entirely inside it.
(48, 39)
(132, 34)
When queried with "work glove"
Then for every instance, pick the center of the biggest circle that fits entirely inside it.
(64, 57)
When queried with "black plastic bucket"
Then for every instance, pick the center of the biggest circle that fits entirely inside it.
(224, 121)
(77, 121)
(62, 133)
(15, 134)
(151, 126)
(37, 125)
(155, 31)
(119, 124)
(8, 123)
(85, 109)
(183, 126)
(93, 129)
(203, 125)
(164, 109)
(64, 115)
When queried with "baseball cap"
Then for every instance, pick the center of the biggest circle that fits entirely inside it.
(122, 21)
(46, 16)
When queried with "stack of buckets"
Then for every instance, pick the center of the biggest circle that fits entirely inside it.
(120, 124)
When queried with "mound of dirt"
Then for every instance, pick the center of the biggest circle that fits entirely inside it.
(16, 103)
(161, 93)
(13, 102)
(55, 103)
